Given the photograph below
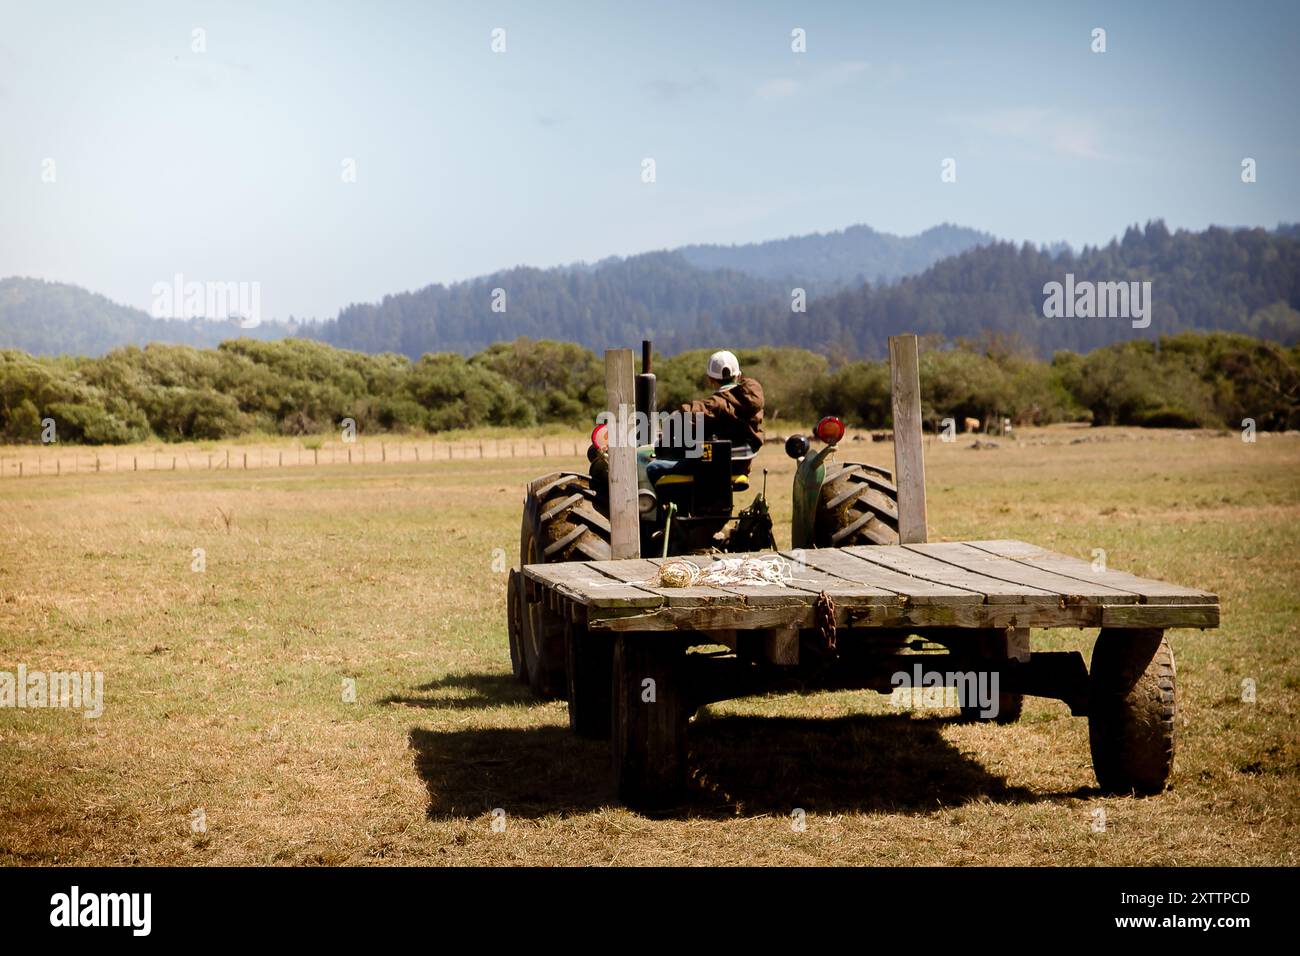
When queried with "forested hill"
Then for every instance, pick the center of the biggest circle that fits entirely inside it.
(675, 293)
(1232, 280)
(54, 318)
(612, 303)
(1245, 280)
(852, 256)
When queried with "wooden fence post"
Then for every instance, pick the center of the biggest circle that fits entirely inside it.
(909, 456)
(624, 519)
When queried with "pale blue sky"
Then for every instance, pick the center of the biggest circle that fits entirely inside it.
(225, 165)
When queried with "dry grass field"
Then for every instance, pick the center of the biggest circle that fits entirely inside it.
(223, 687)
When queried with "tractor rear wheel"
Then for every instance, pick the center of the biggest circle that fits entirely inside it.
(560, 523)
(858, 505)
(1131, 710)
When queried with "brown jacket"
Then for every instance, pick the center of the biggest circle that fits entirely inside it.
(733, 413)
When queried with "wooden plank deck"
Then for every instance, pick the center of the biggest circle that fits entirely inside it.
(975, 584)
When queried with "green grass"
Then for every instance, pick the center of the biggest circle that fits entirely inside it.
(223, 688)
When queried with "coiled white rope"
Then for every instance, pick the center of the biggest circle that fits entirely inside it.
(722, 573)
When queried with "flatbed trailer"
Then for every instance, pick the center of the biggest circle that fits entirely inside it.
(868, 618)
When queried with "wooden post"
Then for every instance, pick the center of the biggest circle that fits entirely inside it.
(909, 456)
(624, 519)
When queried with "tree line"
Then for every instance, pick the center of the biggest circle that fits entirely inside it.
(302, 387)
(805, 292)
(1234, 280)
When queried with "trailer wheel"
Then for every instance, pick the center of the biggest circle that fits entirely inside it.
(858, 505)
(1131, 709)
(560, 523)
(649, 714)
(589, 660)
(514, 624)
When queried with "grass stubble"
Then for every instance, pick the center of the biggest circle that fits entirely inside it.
(223, 687)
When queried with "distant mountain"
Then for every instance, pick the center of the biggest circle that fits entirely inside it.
(673, 294)
(1231, 280)
(616, 302)
(1235, 280)
(851, 256)
(54, 318)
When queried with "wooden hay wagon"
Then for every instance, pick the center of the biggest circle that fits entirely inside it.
(911, 617)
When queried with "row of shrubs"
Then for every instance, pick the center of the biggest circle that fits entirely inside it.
(300, 387)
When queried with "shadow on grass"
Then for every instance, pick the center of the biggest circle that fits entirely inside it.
(468, 692)
(745, 765)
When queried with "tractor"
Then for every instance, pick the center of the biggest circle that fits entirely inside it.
(686, 502)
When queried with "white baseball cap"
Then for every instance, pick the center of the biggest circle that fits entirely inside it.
(723, 366)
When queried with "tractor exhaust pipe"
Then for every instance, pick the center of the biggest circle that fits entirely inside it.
(646, 399)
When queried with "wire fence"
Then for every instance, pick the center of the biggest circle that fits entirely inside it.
(51, 461)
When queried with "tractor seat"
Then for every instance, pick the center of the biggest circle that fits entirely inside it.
(742, 456)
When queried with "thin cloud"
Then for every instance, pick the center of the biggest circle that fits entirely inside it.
(777, 89)
(670, 90)
(1075, 136)
(829, 78)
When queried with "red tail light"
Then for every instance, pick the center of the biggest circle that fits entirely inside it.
(830, 430)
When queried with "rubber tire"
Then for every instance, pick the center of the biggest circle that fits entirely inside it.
(858, 505)
(514, 624)
(649, 738)
(1132, 705)
(589, 663)
(560, 523)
